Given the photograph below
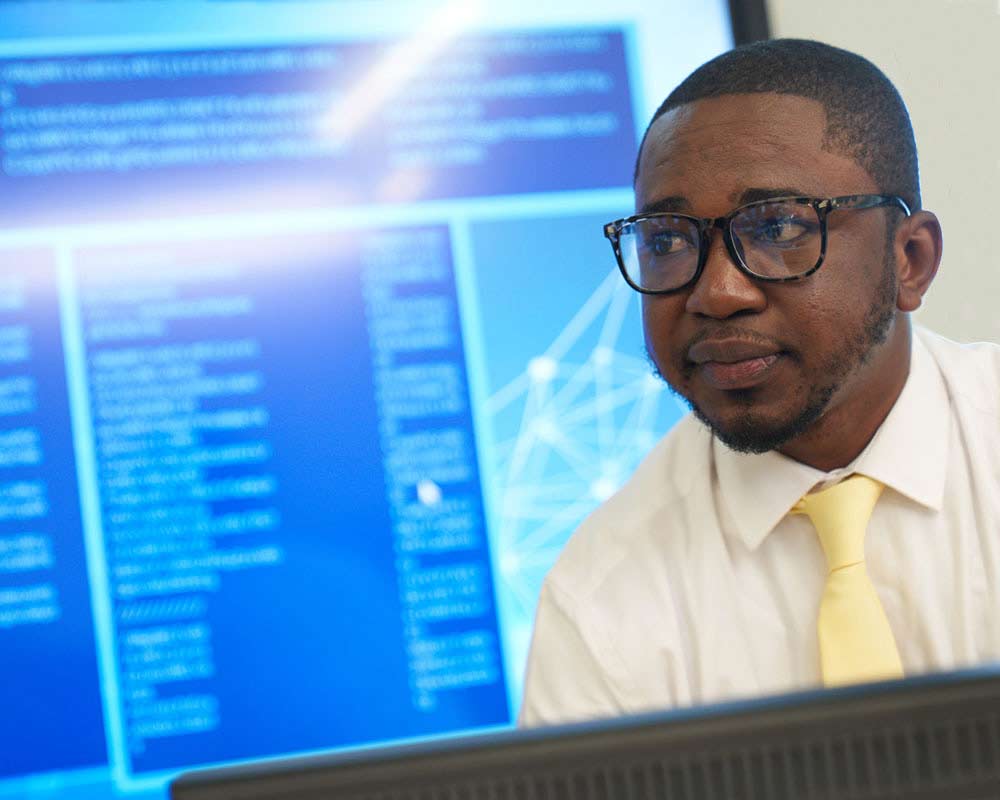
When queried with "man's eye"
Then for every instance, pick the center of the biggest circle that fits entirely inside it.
(781, 230)
(667, 243)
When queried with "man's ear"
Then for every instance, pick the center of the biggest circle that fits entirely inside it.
(918, 247)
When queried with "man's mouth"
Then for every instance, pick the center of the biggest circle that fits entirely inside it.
(730, 364)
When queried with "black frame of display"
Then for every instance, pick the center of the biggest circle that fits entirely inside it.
(750, 21)
(932, 737)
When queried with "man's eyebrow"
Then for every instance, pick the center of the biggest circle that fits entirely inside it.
(753, 194)
(664, 204)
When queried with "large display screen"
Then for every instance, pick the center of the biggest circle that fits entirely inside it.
(312, 355)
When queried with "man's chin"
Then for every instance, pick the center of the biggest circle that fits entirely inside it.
(750, 440)
(750, 432)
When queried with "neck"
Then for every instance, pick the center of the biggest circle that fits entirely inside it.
(859, 407)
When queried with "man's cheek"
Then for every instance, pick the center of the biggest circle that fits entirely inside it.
(659, 353)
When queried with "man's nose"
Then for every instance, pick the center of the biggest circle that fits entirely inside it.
(723, 289)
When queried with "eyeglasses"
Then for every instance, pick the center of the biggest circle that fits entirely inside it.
(780, 239)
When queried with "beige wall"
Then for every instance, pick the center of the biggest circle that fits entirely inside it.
(944, 57)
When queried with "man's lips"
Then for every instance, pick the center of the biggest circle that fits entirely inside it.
(729, 364)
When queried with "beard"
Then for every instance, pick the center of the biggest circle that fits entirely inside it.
(747, 433)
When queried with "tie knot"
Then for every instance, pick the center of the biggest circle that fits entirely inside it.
(840, 515)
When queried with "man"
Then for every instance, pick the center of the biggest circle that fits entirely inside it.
(780, 246)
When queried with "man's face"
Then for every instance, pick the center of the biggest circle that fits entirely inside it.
(762, 363)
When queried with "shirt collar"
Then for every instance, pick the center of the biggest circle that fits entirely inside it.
(908, 454)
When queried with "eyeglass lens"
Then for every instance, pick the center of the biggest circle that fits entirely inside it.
(774, 240)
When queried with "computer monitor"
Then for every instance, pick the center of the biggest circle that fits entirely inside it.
(312, 355)
(933, 738)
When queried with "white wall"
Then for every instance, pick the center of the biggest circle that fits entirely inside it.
(944, 57)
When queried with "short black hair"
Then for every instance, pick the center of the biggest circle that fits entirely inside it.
(866, 118)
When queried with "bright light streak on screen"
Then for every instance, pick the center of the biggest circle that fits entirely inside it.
(400, 64)
(312, 356)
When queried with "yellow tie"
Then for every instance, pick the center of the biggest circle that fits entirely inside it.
(855, 640)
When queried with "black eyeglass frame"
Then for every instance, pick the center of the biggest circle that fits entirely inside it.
(822, 206)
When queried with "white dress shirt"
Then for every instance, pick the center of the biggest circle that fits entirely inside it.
(694, 584)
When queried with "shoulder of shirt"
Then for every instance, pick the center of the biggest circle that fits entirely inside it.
(971, 372)
(653, 499)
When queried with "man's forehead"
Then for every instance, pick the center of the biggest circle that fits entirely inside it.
(736, 122)
(740, 144)
(748, 110)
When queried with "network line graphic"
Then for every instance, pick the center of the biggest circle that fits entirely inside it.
(570, 429)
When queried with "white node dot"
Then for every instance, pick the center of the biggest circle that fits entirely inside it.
(546, 430)
(428, 493)
(510, 563)
(602, 356)
(603, 488)
(542, 369)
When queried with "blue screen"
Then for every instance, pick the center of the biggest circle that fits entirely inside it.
(312, 355)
